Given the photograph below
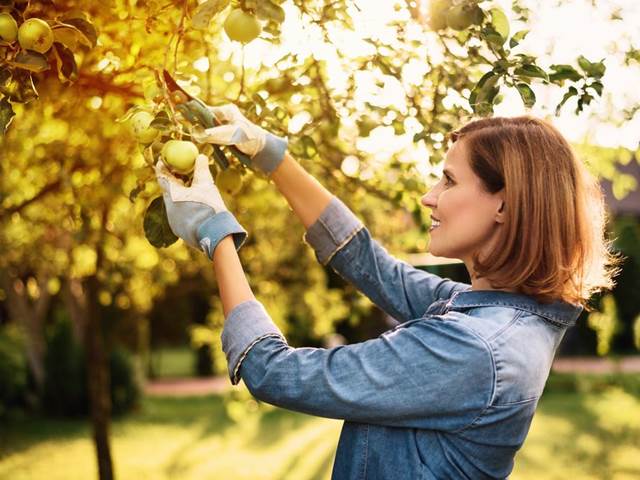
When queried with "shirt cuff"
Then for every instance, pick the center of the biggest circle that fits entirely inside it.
(335, 227)
(246, 325)
(217, 227)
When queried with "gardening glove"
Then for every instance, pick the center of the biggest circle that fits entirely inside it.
(197, 214)
(265, 149)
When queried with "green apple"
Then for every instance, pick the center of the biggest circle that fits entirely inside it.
(140, 127)
(229, 181)
(8, 28)
(35, 34)
(438, 14)
(241, 26)
(462, 17)
(180, 155)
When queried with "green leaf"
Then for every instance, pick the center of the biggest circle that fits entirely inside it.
(585, 99)
(531, 71)
(597, 87)
(571, 92)
(492, 36)
(136, 191)
(86, 28)
(306, 147)
(6, 115)
(66, 63)
(32, 61)
(517, 38)
(5, 75)
(206, 11)
(593, 69)
(564, 72)
(485, 90)
(527, 95)
(156, 225)
(19, 88)
(161, 121)
(70, 36)
(267, 10)
(500, 22)
(501, 66)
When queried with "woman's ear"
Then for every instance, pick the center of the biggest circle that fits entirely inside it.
(500, 214)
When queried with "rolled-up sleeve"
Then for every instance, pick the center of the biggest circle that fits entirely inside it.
(342, 242)
(427, 373)
(244, 327)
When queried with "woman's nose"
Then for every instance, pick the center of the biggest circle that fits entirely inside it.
(429, 199)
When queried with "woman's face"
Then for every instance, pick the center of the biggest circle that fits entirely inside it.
(469, 216)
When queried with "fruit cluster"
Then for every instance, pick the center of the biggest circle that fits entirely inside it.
(34, 33)
(443, 14)
(166, 131)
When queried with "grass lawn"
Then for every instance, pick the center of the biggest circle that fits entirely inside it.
(573, 436)
(173, 362)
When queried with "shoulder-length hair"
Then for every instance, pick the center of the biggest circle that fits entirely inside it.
(553, 245)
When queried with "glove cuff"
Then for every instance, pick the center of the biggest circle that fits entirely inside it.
(268, 159)
(214, 229)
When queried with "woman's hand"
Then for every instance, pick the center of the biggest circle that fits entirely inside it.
(265, 149)
(197, 214)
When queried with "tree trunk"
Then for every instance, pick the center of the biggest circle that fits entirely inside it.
(98, 380)
(30, 316)
(75, 302)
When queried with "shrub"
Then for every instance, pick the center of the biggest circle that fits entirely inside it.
(125, 384)
(13, 373)
(204, 361)
(65, 390)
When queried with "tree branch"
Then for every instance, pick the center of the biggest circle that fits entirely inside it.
(103, 84)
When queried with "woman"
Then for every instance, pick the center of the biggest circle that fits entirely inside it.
(451, 391)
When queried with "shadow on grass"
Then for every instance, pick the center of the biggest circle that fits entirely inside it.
(578, 410)
(274, 424)
(19, 434)
(24, 432)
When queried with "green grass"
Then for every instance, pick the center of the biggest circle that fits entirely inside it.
(573, 436)
(173, 362)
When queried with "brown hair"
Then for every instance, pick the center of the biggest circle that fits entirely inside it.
(554, 244)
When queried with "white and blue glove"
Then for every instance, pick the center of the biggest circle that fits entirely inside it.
(265, 149)
(197, 214)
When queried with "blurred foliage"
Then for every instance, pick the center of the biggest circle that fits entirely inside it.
(65, 391)
(13, 371)
(605, 323)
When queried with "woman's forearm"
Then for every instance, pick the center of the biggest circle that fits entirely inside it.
(232, 282)
(306, 196)
(308, 199)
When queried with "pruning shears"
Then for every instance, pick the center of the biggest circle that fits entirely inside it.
(196, 111)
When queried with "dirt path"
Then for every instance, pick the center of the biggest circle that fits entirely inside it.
(183, 387)
(597, 365)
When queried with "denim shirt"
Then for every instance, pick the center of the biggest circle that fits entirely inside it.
(449, 393)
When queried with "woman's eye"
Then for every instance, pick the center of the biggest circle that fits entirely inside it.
(447, 181)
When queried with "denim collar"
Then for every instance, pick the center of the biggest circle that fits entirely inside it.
(558, 312)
